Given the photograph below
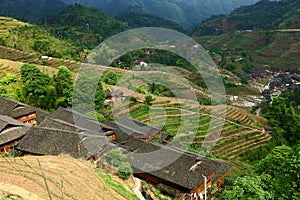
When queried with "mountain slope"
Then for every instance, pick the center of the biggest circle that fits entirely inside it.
(30, 10)
(85, 27)
(33, 39)
(264, 15)
(185, 12)
(135, 20)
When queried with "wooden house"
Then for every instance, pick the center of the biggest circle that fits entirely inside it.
(50, 141)
(63, 125)
(138, 129)
(81, 121)
(11, 132)
(184, 171)
(114, 97)
(21, 112)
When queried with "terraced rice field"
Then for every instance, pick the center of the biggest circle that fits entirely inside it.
(66, 178)
(240, 131)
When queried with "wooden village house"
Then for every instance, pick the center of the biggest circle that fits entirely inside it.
(185, 172)
(21, 112)
(114, 98)
(11, 132)
(138, 129)
(81, 121)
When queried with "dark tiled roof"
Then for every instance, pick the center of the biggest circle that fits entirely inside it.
(186, 170)
(76, 118)
(15, 109)
(13, 134)
(137, 128)
(45, 141)
(5, 120)
(121, 135)
(40, 115)
(15, 129)
(59, 124)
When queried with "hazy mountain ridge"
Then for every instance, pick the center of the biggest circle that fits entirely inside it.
(186, 13)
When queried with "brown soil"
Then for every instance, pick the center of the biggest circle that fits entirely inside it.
(67, 178)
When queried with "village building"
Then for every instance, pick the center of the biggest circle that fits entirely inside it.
(185, 174)
(138, 130)
(63, 125)
(49, 141)
(11, 132)
(114, 98)
(21, 112)
(78, 119)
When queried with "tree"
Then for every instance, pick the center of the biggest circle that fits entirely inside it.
(64, 84)
(148, 99)
(253, 188)
(125, 170)
(95, 115)
(88, 92)
(115, 157)
(99, 97)
(103, 55)
(110, 78)
(34, 83)
(281, 113)
(283, 165)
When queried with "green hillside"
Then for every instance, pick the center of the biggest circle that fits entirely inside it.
(264, 15)
(84, 27)
(31, 38)
(255, 48)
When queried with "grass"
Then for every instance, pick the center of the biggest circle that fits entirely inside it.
(120, 189)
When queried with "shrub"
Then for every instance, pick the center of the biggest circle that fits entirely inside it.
(125, 170)
(115, 157)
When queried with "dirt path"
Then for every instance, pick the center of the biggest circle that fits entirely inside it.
(136, 189)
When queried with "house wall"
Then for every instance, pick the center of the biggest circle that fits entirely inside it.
(155, 180)
(201, 187)
(8, 146)
(28, 119)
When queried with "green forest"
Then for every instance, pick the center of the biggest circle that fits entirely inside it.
(276, 166)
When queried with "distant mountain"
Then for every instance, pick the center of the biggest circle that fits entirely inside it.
(135, 20)
(185, 12)
(30, 10)
(264, 15)
(84, 27)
